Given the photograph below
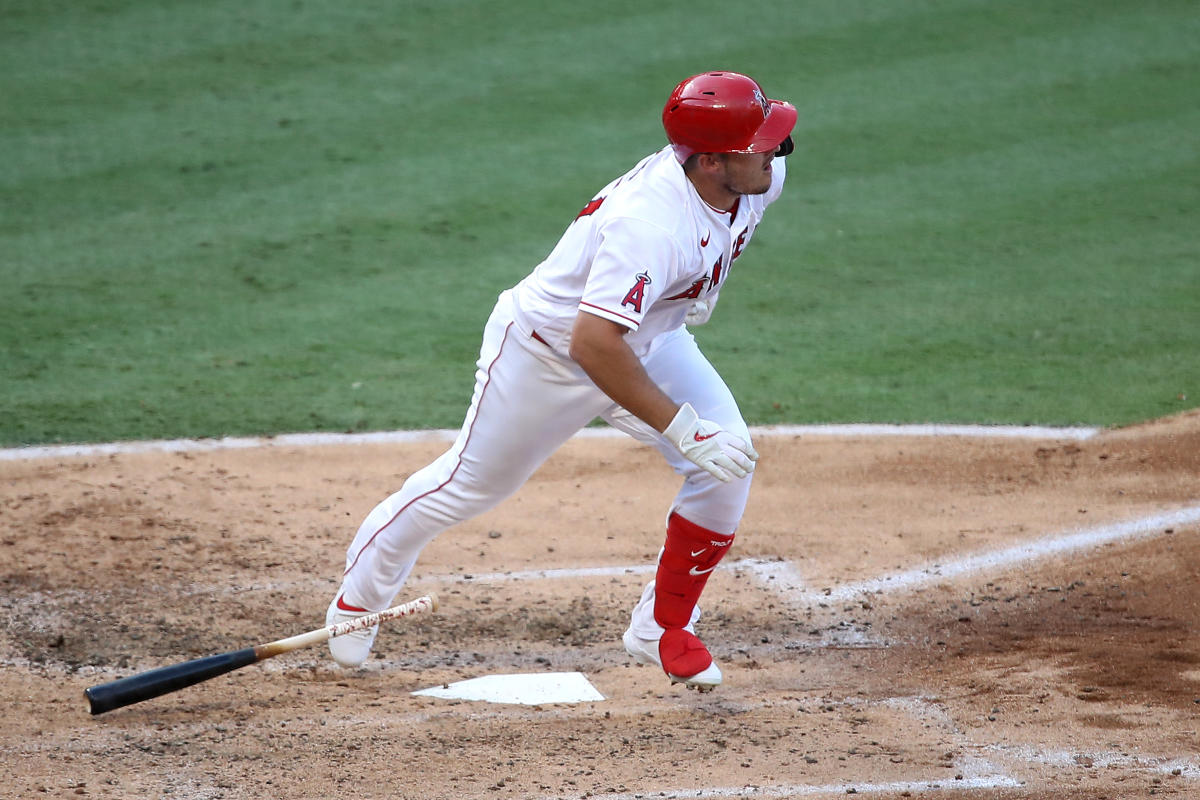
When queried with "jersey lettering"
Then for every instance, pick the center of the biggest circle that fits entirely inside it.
(637, 293)
(716, 275)
(741, 242)
(692, 292)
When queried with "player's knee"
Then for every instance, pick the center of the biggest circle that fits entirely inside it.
(486, 485)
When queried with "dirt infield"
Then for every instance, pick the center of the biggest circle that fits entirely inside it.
(882, 631)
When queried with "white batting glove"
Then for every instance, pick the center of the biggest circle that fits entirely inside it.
(709, 446)
(699, 313)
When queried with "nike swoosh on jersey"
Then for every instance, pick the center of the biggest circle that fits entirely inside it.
(705, 240)
(694, 571)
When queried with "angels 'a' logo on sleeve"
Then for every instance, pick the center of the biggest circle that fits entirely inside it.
(637, 293)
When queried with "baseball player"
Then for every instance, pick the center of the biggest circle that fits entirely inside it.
(598, 329)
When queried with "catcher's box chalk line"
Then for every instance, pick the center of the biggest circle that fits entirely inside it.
(828, 790)
(1029, 552)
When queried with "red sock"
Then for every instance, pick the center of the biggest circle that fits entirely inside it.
(689, 557)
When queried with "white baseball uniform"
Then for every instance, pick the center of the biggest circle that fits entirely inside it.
(640, 254)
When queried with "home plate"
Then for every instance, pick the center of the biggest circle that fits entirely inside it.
(525, 689)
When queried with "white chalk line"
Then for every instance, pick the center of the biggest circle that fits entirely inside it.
(1084, 759)
(782, 577)
(988, 561)
(805, 790)
(443, 435)
(545, 574)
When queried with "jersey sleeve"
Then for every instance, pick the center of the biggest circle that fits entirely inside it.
(634, 263)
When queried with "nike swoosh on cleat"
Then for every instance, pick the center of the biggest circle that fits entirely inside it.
(698, 552)
(694, 571)
(344, 606)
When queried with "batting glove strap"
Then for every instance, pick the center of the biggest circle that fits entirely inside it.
(706, 444)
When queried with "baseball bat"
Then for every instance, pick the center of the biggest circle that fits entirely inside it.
(156, 682)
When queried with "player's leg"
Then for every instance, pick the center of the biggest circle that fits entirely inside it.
(527, 402)
(700, 525)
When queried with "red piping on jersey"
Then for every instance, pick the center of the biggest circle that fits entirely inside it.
(453, 472)
(632, 322)
(732, 212)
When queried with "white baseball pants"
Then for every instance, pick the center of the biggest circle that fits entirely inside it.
(528, 401)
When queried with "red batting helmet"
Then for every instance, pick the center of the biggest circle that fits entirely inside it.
(726, 112)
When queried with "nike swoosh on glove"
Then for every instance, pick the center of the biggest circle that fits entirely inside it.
(706, 444)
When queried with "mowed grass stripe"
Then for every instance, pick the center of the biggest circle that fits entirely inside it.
(158, 179)
(386, 63)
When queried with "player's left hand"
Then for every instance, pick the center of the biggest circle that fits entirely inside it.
(699, 313)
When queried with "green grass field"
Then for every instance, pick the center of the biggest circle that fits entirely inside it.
(266, 216)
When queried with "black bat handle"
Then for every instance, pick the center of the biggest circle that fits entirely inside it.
(155, 682)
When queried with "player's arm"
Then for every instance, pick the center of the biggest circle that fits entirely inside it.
(598, 346)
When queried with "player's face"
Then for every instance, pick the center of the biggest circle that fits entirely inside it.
(747, 173)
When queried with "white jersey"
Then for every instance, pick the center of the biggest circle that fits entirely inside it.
(639, 254)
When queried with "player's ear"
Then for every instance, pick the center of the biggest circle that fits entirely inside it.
(710, 162)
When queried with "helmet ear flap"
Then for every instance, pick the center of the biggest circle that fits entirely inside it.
(786, 147)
